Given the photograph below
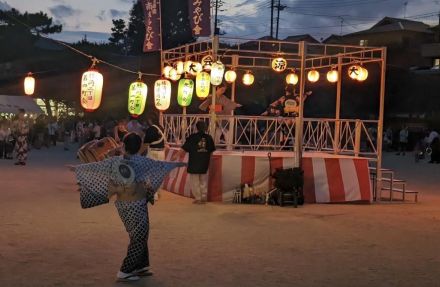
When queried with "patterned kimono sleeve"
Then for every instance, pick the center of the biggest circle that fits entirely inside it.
(93, 180)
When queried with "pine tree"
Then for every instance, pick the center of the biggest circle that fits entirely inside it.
(118, 37)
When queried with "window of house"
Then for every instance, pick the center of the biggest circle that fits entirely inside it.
(363, 42)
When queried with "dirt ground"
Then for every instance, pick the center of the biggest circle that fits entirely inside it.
(46, 239)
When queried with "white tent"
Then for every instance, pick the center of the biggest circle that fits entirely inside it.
(11, 104)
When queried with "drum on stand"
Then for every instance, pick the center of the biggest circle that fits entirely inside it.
(98, 150)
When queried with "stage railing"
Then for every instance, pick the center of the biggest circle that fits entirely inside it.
(347, 136)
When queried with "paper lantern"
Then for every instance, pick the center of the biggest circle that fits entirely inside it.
(248, 78)
(207, 62)
(179, 66)
(162, 94)
(91, 90)
(313, 76)
(279, 64)
(363, 75)
(195, 68)
(292, 78)
(217, 72)
(203, 85)
(230, 76)
(137, 98)
(187, 67)
(166, 71)
(354, 71)
(185, 92)
(332, 76)
(174, 75)
(29, 85)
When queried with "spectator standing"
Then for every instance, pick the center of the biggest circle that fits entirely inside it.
(52, 128)
(403, 140)
(21, 132)
(199, 146)
(4, 135)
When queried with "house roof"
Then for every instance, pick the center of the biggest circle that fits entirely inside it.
(303, 37)
(389, 24)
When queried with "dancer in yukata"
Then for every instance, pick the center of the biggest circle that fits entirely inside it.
(133, 179)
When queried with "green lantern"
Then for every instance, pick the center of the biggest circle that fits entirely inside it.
(185, 92)
(137, 98)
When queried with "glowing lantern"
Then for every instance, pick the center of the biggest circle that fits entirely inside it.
(354, 71)
(185, 92)
(313, 76)
(230, 76)
(217, 72)
(137, 97)
(166, 71)
(162, 94)
(91, 90)
(174, 75)
(292, 78)
(332, 76)
(248, 78)
(29, 85)
(203, 85)
(279, 64)
(179, 66)
(187, 67)
(195, 68)
(207, 62)
(363, 75)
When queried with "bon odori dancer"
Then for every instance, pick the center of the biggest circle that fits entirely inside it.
(21, 131)
(134, 179)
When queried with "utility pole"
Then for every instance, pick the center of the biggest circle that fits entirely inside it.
(280, 8)
(216, 30)
(405, 5)
(272, 5)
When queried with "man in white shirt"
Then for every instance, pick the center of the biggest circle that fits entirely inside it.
(403, 140)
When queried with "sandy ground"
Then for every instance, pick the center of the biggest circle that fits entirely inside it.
(46, 239)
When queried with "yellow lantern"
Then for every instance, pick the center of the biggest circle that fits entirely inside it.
(332, 76)
(179, 66)
(187, 67)
(29, 85)
(203, 85)
(230, 76)
(195, 68)
(363, 74)
(162, 94)
(207, 62)
(185, 92)
(313, 76)
(248, 78)
(217, 72)
(166, 71)
(279, 64)
(292, 78)
(174, 75)
(354, 71)
(137, 98)
(91, 90)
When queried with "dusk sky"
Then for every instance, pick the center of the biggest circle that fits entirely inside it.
(245, 18)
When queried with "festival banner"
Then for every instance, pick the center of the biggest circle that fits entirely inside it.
(153, 35)
(200, 17)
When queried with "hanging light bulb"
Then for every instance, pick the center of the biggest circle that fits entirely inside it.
(332, 76)
(313, 76)
(230, 76)
(248, 78)
(166, 71)
(217, 72)
(162, 94)
(292, 78)
(91, 88)
(137, 97)
(279, 64)
(207, 62)
(179, 66)
(185, 92)
(363, 74)
(174, 75)
(203, 85)
(29, 85)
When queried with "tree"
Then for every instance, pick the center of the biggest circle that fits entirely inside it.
(136, 29)
(28, 22)
(118, 37)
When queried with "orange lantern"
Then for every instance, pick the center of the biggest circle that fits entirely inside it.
(248, 78)
(174, 75)
(179, 66)
(292, 78)
(313, 76)
(279, 64)
(230, 76)
(166, 71)
(91, 90)
(332, 76)
(29, 85)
